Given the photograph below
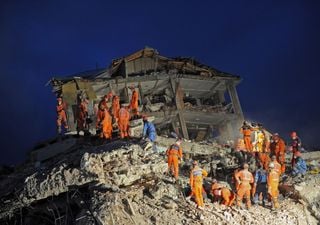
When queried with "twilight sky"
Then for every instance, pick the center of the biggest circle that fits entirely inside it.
(273, 45)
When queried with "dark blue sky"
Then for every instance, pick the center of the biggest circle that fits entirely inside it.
(273, 45)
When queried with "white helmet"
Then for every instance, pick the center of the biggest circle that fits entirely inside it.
(271, 165)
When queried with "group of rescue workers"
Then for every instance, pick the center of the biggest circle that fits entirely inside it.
(109, 113)
(268, 150)
(258, 187)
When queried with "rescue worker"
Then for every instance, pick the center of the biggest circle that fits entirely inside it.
(258, 146)
(123, 122)
(174, 154)
(82, 115)
(61, 115)
(196, 182)
(295, 146)
(115, 107)
(105, 100)
(300, 167)
(278, 148)
(244, 179)
(240, 151)
(273, 183)
(246, 130)
(221, 191)
(149, 129)
(260, 183)
(134, 104)
(100, 116)
(276, 164)
(106, 125)
(264, 155)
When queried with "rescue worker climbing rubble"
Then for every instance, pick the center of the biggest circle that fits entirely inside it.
(61, 115)
(196, 183)
(278, 148)
(273, 183)
(219, 190)
(244, 179)
(123, 122)
(276, 164)
(174, 154)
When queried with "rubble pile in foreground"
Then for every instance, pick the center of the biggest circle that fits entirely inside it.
(129, 186)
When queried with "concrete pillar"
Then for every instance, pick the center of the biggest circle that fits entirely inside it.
(235, 99)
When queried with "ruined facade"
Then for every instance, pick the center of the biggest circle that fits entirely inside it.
(185, 96)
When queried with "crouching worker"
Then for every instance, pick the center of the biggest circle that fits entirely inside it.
(273, 183)
(300, 167)
(196, 183)
(244, 178)
(220, 191)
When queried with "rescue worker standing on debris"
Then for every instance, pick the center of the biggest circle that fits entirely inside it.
(149, 129)
(61, 115)
(123, 122)
(174, 153)
(134, 103)
(294, 146)
(278, 148)
(115, 107)
(82, 114)
(260, 182)
(196, 182)
(273, 183)
(264, 155)
(106, 125)
(104, 102)
(221, 191)
(246, 130)
(300, 166)
(244, 179)
(276, 164)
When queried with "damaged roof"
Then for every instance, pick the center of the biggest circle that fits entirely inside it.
(148, 61)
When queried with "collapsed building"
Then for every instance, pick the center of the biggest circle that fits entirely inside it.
(184, 96)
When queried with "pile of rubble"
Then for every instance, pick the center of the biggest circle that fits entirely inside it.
(123, 183)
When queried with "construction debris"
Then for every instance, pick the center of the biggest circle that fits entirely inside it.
(120, 183)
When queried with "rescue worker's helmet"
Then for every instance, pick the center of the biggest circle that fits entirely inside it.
(195, 162)
(293, 134)
(271, 165)
(245, 166)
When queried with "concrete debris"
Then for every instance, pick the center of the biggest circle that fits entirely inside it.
(127, 185)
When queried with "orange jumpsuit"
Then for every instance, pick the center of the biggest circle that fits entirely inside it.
(82, 115)
(134, 103)
(106, 126)
(277, 167)
(227, 195)
(174, 153)
(196, 182)
(100, 116)
(103, 103)
(115, 107)
(61, 115)
(244, 177)
(123, 122)
(278, 148)
(273, 183)
(246, 131)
